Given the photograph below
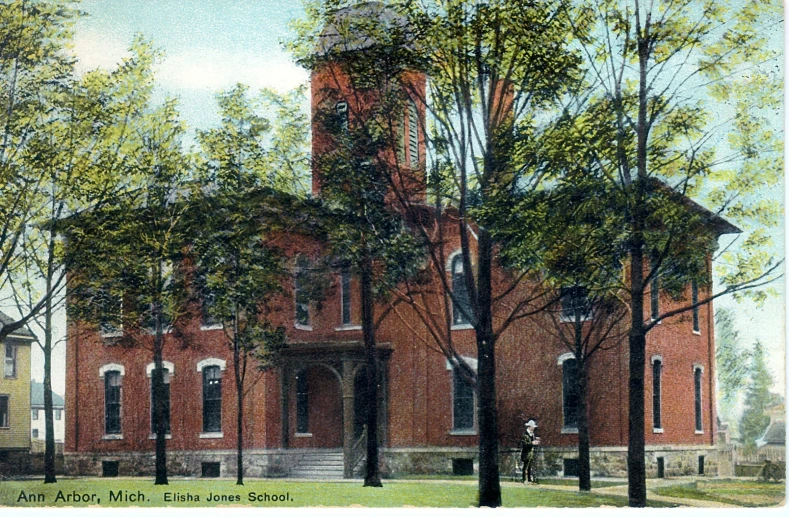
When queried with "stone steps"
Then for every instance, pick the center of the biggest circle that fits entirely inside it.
(319, 465)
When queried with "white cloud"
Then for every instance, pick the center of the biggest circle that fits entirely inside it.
(214, 70)
(97, 50)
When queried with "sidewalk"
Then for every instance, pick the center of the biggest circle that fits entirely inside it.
(621, 490)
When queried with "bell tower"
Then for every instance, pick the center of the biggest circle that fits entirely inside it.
(347, 87)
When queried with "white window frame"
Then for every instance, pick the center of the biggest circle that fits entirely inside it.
(112, 367)
(170, 368)
(474, 429)
(560, 362)
(448, 268)
(698, 368)
(657, 430)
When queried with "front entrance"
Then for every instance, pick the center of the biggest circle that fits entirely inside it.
(316, 409)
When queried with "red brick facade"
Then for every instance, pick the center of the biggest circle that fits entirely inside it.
(416, 384)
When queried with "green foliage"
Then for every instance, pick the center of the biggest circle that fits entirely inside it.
(758, 398)
(731, 363)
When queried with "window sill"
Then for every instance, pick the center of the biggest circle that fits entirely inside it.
(299, 326)
(565, 319)
(657, 430)
(212, 435)
(112, 437)
(343, 328)
(302, 435)
(10, 378)
(699, 432)
(110, 335)
(217, 326)
(697, 332)
(463, 432)
(152, 436)
(569, 430)
(462, 326)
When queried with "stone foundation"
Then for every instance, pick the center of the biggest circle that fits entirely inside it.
(395, 462)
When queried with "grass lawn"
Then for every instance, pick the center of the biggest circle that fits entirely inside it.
(741, 493)
(187, 492)
(574, 482)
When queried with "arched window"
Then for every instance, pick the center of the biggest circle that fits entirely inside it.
(301, 294)
(655, 297)
(657, 373)
(570, 395)
(694, 299)
(212, 399)
(413, 135)
(302, 403)
(345, 297)
(462, 403)
(341, 109)
(697, 371)
(461, 304)
(112, 402)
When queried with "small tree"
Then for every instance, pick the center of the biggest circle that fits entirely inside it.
(130, 278)
(731, 364)
(238, 267)
(758, 398)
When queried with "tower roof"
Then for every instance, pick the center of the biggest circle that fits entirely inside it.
(360, 27)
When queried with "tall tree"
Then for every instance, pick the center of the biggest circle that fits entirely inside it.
(35, 68)
(758, 398)
(731, 364)
(131, 279)
(655, 73)
(247, 174)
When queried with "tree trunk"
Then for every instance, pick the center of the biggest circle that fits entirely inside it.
(489, 484)
(49, 424)
(240, 409)
(158, 399)
(636, 466)
(584, 468)
(372, 475)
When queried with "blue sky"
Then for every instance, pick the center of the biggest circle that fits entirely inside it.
(210, 45)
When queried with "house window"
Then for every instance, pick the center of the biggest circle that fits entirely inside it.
(694, 299)
(570, 396)
(655, 297)
(10, 362)
(462, 403)
(341, 108)
(35, 414)
(207, 317)
(345, 295)
(58, 414)
(697, 396)
(4, 420)
(657, 372)
(302, 297)
(302, 408)
(112, 402)
(575, 303)
(110, 314)
(212, 399)
(461, 303)
(413, 134)
(35, 433)
(166, 400)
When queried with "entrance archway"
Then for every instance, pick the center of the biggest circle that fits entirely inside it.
(316, 408)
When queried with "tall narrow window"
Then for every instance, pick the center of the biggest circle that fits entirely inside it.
(4, 417)
(657, 371)
(110, 314)
(165, 398)
(345, 294)
(206, 310)
(301, 296)
(655, 298)
(570, 395)
(112, 402)
(461, 304)
(575, 303)
(697, 397)
(413, 134)
(35, 414)
(302, 406)
(212, 399)
(462, 404)
(694, 299)
(9, 369)
(341, 108)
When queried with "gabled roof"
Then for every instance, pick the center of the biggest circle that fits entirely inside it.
(37, 395)
(717, 223)
(23, 333)
(775, 435)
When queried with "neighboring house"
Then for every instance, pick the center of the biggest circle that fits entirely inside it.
(312, 406)
(773, 443)
(15, 395)
(37, 420)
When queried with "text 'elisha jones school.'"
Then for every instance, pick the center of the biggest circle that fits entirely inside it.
(306, 417)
